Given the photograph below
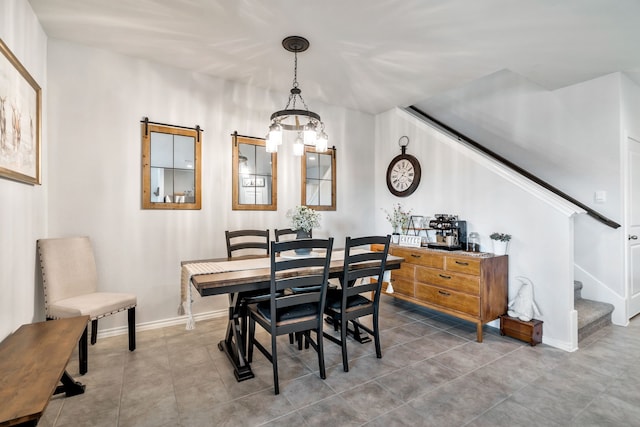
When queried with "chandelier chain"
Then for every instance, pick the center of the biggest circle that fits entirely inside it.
(295, 91)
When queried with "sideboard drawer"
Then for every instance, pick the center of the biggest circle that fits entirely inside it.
(463, 265)
(419, 258)
(459, 282)
(450, 299)
(404, 287)
(406, 271)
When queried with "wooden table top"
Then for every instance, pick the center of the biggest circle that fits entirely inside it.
(32, 361)
(259, 278)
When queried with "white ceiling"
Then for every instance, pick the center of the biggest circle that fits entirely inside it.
(368, 55)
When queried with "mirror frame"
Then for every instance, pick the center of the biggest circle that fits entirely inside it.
(235, 175)
(147, 128)
(303, 182)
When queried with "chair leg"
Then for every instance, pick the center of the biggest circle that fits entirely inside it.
(274, 362)
(94, 331)
(376, 335)
(344, 325)
(83, 352)
(320, 345)
(131, 313)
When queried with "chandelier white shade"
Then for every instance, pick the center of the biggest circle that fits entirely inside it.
(307, 125)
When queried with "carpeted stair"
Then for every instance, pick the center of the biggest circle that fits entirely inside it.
(592, 315)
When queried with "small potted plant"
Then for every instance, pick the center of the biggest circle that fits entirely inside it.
(303, 220)
(399, 219)
(500, 243)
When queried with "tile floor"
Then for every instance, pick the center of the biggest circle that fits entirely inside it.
(432, 373)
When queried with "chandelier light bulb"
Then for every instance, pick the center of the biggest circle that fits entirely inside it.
(275, 133)
(298, 147)
(310, 134)
(270, 146)
(322, 143)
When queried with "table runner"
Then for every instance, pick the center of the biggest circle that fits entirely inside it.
(197, 268)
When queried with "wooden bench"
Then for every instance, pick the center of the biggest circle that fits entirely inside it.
(32, 365)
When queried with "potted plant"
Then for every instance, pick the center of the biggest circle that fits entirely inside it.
(500, 243)
(303, 220)
(399, 219)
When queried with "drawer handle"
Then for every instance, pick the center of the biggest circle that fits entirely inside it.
(444, 277)
(416, 256)
(462, 263)
(446, 294)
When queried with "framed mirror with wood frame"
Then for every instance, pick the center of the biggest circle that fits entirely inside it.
(171, 173)
(254, 174)
(319, 179)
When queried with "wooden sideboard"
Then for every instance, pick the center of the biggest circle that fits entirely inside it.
(470, 287)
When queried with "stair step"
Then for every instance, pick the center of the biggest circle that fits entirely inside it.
(592, 315)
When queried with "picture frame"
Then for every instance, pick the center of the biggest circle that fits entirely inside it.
(20, 121)
(253, 182)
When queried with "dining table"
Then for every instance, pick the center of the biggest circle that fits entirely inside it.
(238, 277)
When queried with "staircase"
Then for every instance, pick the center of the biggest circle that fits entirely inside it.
(592, 315)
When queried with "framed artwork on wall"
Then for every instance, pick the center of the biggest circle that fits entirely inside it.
(20, 120)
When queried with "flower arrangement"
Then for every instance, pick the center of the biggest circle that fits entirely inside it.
(398, 218)
(501, 237)
(303, 218)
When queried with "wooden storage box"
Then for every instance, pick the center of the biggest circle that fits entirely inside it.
(530, 331)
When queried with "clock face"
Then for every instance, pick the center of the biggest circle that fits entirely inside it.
(403, 175)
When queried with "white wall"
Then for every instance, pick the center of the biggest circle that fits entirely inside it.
(570, 138)
(23, 207)
(458, 180)
(96, 101)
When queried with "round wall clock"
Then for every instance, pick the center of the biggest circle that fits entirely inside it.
(403, 173)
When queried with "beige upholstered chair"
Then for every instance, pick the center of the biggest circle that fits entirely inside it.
(70, 282)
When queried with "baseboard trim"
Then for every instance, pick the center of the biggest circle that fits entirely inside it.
(163, 323)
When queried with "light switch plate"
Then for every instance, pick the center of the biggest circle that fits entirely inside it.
(600, 196)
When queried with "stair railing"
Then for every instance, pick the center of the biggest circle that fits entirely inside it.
(465, 139)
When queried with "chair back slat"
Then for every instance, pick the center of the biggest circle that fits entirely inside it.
(298, 298)
(288, 233)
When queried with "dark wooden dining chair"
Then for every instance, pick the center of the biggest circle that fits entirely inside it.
(290, 234)
(247, 243)
(359, 294)
(286, 313)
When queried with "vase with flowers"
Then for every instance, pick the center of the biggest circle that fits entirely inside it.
(399, 219)
(303, 220)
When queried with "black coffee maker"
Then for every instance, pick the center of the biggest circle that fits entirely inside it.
(450, 232)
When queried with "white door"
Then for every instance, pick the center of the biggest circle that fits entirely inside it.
(633, 229)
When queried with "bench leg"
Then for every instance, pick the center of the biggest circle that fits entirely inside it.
(132, 328)
(69, 386)
(83, 352)
(94, 331)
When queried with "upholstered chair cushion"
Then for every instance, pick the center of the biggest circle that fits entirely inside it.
(95, 305)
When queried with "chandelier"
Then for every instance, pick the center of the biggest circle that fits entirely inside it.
(307, 124)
